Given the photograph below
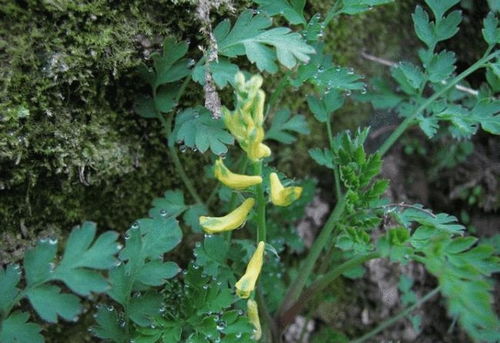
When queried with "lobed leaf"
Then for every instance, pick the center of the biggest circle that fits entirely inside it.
(198, 130)
(282, 122)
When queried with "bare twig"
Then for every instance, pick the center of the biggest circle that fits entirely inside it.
(388, 63)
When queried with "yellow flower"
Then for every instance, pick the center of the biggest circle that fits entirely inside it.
(246, 284)
(232, 180)
(246, 122)
(230, 221)
(253, 317)
(283, 196)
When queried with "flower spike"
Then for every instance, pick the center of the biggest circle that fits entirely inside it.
(232, 180)
(253, 317)
(283, 196)
(230, 221)
(246, 284)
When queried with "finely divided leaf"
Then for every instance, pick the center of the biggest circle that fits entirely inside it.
(284, 121)
(9, 278)
(448, 27)
(250, 37)
(439, 7)
(198, 130)
(358, 6)
(441, 66)
(292, 10)
(17, 329)
(423, 27)
(170, 205)
(491, 31)
(108, 325)
(323, 157)
(143, 308)
(223, 72)
(37, 261)
(49, 302)
(409, 77)
(155, 273)
(170, 66)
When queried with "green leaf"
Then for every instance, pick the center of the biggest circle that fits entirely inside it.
(358, 6)
(37, 261)
(441, 66)
(171, 205)
(223, 72)
(409, 77)
(159, 236)
(448, 27)
(323, 108)
(487, 113)
(9, 278)
(491, 31)
(282, 122)
(165, 97)
(82, 251)
(429, 125)
(170, 66)
(439, 7)
(145, 107)
(323, 157)
(292, 10)
(49, 302)
(198, 130)
(250, 37)
(79, 255)
(155, 273)
(108, 325)
(143, 307)
(423, 28)
(192, 216)
(17, 329)
(337, 78)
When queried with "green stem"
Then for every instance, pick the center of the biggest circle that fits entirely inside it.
(167, 125)
(336, 175)
(396, 318)
(261, 205)
(298, 284)
(167, 128)
(410, 119)
(275, 96)
(320, 284)
(332, 13)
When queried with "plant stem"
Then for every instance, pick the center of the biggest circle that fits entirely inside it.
(306, 269)
(397, 317)
(167, 124)
(336, 176)
(277, 93)
(410, 119)
(167, 128)
(261, 205)
(332, 13)
(320, 284)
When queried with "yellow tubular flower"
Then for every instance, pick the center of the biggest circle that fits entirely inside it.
(230, 221)
(232, 180)
(253, 317)
(283, 196)
(246, 284)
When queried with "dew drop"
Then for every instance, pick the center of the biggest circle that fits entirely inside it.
(53, 241)
(163, 213)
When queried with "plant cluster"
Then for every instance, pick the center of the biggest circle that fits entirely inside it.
(246, 284)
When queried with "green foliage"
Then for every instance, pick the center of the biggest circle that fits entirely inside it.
(250, 36)
(196, 128)
(83, 257)
(282, 122)
(292, 10)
